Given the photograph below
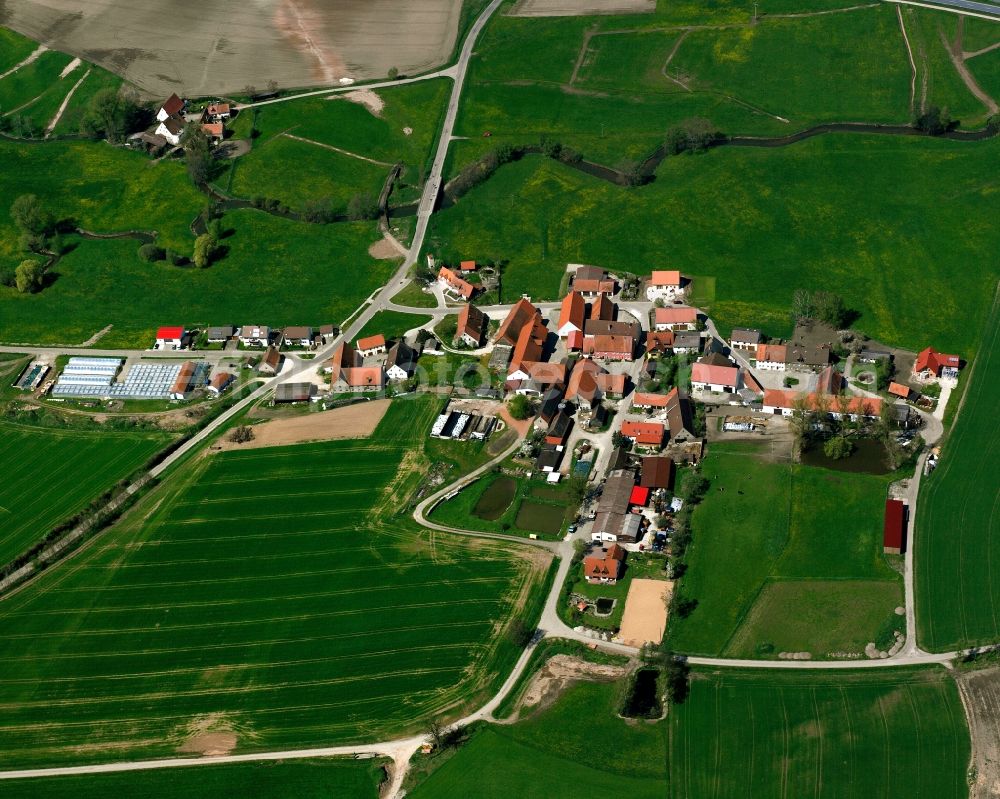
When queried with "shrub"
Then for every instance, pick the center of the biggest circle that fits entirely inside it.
(151, 253)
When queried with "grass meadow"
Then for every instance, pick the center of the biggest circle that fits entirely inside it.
(282, 596)
(957, 529)
(575, 749)
(301, 779)
(14, 48)
(52, 474)
(887, 733)
(858, 215)
(392, 324)
(97, 80)
(24, 88)
(275, 270)
(785, 558)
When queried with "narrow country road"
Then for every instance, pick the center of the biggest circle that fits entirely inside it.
(967, 7)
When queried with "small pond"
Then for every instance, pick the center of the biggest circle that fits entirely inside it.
(540, 518)
(604, 606)
(643, 700)
(496, 499)
(868, 458)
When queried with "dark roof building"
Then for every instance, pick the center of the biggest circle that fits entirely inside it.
(657, 472)
(894, 529)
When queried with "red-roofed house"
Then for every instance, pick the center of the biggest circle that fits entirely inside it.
(217, 111)
(521, 314)
(215, 131)
(675, 318)
(643, 400)
(527, 350)
(471, 325)
(605, 568)
(169, 338)
(645, 433)
(661, 341)
(172, 106)
(708, 377)
(611, 384)
(358, 378)
(582, 386)
(591, 281)
(571, 314)
(574, 341)
(371, 345)
(467, 266)
(930, 365)
(602, 308)
(894, 529)
(454, 285)
(609, 347)
(772, 357)
(220, 382)
(664, 285)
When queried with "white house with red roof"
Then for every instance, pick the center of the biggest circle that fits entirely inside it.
(711, 377)
(454, 285)
(169, 338)
(371, 345)
(664, 284)
(931, 365)
(771, 357)
(173, 106)
(675, 318)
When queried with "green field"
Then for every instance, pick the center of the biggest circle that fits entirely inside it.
(392, 324)
(296, 172)
(282, 596)
(14, 48)
(97, 80)
(785, 558)
(52, 474)
(764, 222)
(576, 749)
(287, 779)
(890, 733)
(957, 527)
(23, 88)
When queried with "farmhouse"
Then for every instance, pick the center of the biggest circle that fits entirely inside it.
(173, 106)
(169, 338)
(171, 130)
(894, 528)
(217, 112)
(401, 361)
(612, 341)
(215, 131)
(678, 413)
(527, 350)
(371, 345)
(648, 434)
(592, 281)
(664, 285)
(675, 318)
(220, 382)
(771, 357)
(583, 386)
(271, 362)
(603, 308)
(220, 335)
(454, 285)
(642, 399)
(605, 568)
(357, 379)
(294, 392)
(521, 314)
(931, 365)
(709, 377)
(809, 350)
(613, 385)
(612, 521)
(745, 338)
(571, 314)
(471, 326)
(255, 335)
(297, 336)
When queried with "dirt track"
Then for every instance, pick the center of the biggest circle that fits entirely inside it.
(980, 692)
(217, 46)
(354, 421)
(645, 616)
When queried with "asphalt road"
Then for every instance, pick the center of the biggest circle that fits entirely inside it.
(968, 7)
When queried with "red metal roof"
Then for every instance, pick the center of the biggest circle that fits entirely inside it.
(639, 496)
(169, 332)
(371, 342)
(895, 520)
(933, 361)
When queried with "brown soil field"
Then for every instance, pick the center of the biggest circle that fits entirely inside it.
(980, 692)
(353, 421)
(581, 8)
(200, 47)
(553, 678)
(645, 616)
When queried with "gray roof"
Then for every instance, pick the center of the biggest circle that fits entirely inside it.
(751, 334)
(293, 392)
(225, 331)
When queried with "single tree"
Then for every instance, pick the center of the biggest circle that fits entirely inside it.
(393, 73)
(829, 307)
(520, 634)
(802, 305)
(197, 154)
(204, 248)
(28, 214)
(837, 447)
(29, 276)
(520, 407)
(151, 253)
